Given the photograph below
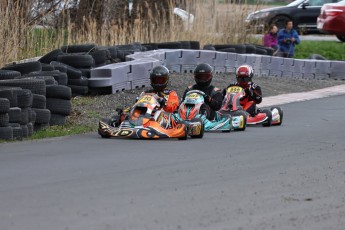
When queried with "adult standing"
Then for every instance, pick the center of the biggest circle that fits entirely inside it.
(270, 39)
(287, 39)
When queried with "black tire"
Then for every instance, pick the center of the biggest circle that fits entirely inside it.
(244, 115)
(37, 86)
(39, 101)
(25, 131)
(47, 67)
(261, 51)
(24, 116)
(79, 48)
(228, 50)
(38, 127)
(49, 80)
(239, 48)
(59, 91)
(280, 21)
(79, 90)
(341, 38)
(268, 122)
(6, 133)
(77, 60)
(30, 129)
(25, 68)
(209, 47)
(194, 45)
(60, 78)
(25, 98)
(86, 73)
(42, 116)
(10, 93)
(202, 128)
(4, 105)
(281, 113)
(59, 106)
(169, 45)
(83, 81)
(4, 119)
(57, 119)
(51, 56)
(17, 133)
(101, 56)
(185, 45)
(15, 114)
(32, 116)
(72, 73)
(250, 49)
(8, 74)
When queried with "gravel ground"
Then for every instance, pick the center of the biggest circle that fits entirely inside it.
(88, 110)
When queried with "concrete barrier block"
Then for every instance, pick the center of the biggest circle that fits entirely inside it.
(206, 56)
(309, 66)
(276, 63)
(322, 67)
(275, 73)
(241, 60)
(265, 61)
(230, 69)
(174, 68)
(322, 76)
(140, 83)
(231, 59)
(188, 68)
(172, 57)
(337, 70)
(119, 87)
(250, 59)
(99, 82)
(189, 57)
(308, 76)
(219, 69)
(117, 72)
(287, 64)
(264, 72)
(287, 74)
(221, 59)
(297, 75)
(140, 69)
(258, 62)
(298, 66)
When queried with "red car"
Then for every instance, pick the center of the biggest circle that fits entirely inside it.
(332, 19)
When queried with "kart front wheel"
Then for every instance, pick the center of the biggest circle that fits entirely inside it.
(202, 128)
(268, 122)
(243, 115)
(183, 138)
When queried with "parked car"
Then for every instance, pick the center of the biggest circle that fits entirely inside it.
(303, 13)
(332, 19)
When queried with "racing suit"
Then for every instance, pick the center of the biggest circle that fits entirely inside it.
(213, 99)
(170, 97)
(252, 97)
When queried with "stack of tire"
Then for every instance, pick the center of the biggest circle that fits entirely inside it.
(20, 118)
(240, 48)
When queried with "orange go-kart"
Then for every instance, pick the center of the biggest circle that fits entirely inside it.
(264, 117)
(146, 120)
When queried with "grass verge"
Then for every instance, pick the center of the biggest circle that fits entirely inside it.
(331, 50)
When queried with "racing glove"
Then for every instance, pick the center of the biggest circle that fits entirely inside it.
(207, 98)
(162, 101)
(249, 92)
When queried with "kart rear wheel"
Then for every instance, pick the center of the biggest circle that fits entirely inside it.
(268, 122)
(202, 128)
(185, 133)
(100, 132)
(281, 114)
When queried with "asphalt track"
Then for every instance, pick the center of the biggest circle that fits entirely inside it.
(285, 177)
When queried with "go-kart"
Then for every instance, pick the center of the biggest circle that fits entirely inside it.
(191, 108)
(264, 117)
(146, 120)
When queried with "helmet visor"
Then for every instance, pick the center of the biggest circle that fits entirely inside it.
(160, 80)
(243, 79)
(203, 77)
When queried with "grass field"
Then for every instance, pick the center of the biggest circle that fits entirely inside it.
(331, 50)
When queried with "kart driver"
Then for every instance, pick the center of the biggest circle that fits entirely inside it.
(253, 95)
(203, 75)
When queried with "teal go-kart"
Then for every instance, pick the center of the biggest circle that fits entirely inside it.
(191, 108)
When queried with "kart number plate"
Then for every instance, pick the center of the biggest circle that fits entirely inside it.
(145, 99)
(234, 89)
(193, 96)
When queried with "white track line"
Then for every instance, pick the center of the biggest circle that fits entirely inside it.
(303, 96)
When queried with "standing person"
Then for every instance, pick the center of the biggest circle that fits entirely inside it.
(203, 74)
(270, 39)
(287, 39)
(253, 95)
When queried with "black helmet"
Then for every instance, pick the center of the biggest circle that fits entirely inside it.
(159, 77)
(203, 74)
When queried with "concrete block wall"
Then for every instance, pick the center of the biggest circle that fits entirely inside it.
(136, 71)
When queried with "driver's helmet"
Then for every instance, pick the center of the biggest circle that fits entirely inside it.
(159, 78)
(244, 75)
(203, 74)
